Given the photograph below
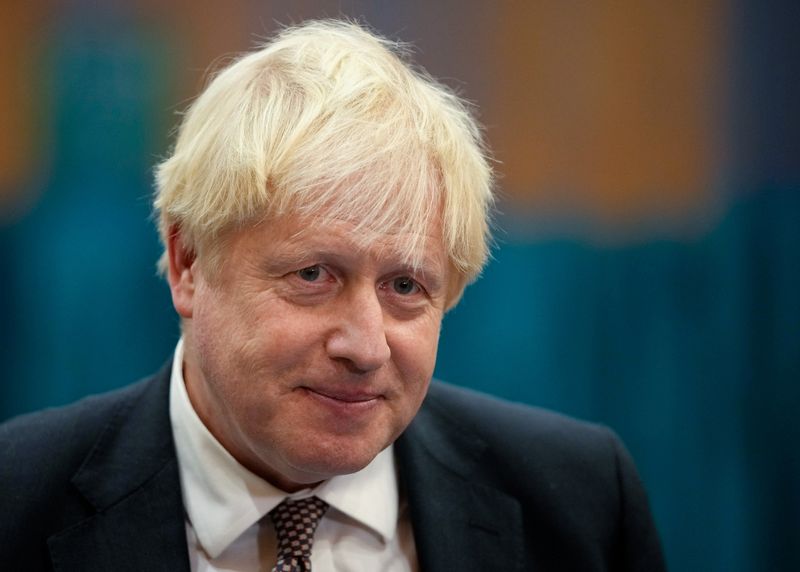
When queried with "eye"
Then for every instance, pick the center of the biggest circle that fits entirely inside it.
(310, 273)
(404, 285)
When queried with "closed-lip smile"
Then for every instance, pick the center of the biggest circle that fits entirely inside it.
(354, 397)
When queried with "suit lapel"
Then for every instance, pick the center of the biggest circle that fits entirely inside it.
(459, 522)
(131, 480)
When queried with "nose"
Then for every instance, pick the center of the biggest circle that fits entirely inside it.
(360, 338)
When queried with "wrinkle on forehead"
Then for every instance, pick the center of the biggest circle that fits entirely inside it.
(376, 200)
(415, 247)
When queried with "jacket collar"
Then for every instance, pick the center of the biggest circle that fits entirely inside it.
(130, 478)
(459, 522)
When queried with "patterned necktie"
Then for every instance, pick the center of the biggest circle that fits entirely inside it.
(295, 522)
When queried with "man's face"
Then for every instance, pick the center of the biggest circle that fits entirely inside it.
(306, 355)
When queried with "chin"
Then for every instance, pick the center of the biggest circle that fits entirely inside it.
(321, 464)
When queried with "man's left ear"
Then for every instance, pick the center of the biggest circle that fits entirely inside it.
(181, 273)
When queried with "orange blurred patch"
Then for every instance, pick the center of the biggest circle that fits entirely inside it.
(20, 27)
(608, 107)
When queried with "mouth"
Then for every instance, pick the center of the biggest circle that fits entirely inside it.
(349, 399)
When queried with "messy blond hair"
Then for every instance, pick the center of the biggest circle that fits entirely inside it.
(328, 119)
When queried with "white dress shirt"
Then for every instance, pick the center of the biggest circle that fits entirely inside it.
(366, 528)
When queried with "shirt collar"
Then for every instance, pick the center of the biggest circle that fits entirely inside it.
(223, 499)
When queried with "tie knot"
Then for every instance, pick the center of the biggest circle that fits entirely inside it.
(295, 522)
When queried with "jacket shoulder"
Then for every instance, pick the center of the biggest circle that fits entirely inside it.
(575, 481)
(52, 436)
(531, 452)
(40, 454)
(515, 425)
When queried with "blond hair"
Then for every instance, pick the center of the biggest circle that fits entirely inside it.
(329, 119)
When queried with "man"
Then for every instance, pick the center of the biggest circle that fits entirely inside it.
(323, 207)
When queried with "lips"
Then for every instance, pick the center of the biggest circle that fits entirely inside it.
(345, 396)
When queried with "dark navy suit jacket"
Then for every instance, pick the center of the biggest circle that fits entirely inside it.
(490, 486)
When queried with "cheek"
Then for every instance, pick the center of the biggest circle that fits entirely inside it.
(222, 332)
(275, 340)
(283, 328)
(427, 335)
(415, 351)
(233, 319)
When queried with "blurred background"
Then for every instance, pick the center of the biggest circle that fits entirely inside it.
(647, 267)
